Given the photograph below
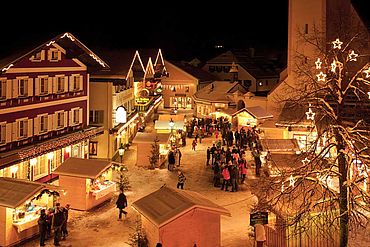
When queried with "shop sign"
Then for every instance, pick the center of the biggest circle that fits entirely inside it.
(258, 218)
(141, 100)
(121, 115)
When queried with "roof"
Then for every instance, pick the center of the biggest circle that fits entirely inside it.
(167, 204)
(83, 168)
(293, 114)
(198, 73)
(280, 145)
(14, 192)
(164, 124)
(218, 91)
(143, 137)
(256, 111)
(74, 48)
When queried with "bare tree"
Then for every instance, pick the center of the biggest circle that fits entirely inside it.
(328, 185)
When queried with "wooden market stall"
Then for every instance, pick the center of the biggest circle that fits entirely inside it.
(144, 143)
(250, 117)
(88, 182)
(176, 217)
(20, 205)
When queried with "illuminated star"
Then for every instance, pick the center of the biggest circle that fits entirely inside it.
(306, 161)
(333, 66)
(310, 114)
(368, 94)
(367, 72)
(318, 63)
(352, 56)
(321, 76)
(337, 44)
(291, 181)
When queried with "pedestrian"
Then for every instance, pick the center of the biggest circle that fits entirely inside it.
(121, 204)
(171, 160)
(194, 144)
(181, 179)
(180, 154)
(208, 155)
(58, 219)
(64, 226)
(42, 222)
(49, 219)
(257, 160)
(226, 178)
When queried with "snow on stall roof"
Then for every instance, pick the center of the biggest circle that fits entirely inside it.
(167, 204)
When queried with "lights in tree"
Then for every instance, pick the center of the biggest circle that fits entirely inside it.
(321, 76)
(291, 181)
(337, 44)
(367, 72)
(310, 114)
(306, 161)
(352, 56)
(368, 93)
(318, 63)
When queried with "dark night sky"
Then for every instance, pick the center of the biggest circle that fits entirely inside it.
(180, 28)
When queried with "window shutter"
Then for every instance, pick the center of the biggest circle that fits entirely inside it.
(80, 114)
(59, 55)
(37, 86)
(55, 121)
(81, 82)
(65, 119)
(50, 85)
(36, 125)
(70, 113)
(14, 131)
(43, 55)
(15, 88)
(8, 89)
(49, 54)
(30, 87)
(50, 122)
(55, 84)
(30, 128)
(66, 84)
(8, 129)
(71, 81)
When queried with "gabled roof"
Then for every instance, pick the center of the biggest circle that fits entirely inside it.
(280, 145)
(256, 111)
(14, 192)
(219, 91)
(74, 47)
(293, 114)
(198, 73)
(83, 168)
(166, 204)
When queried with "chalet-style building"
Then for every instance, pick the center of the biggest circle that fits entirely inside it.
(183, 81)
(44, 106)
(259, 74)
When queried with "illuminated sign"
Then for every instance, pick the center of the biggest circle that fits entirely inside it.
(121, 115)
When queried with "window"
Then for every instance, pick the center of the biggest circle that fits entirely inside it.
(60, 84)
(2, 133)
(93, 148)
(187, 89)
(219, 69)
(306, 28)
(43, 85)
(22, 128)
(22, 87)
(2, 89)
(76, 83)
(227, 69)
(43, 123)
(54, 55)
(60, 120)
(173, 89)
(211, 68)
(76, 113)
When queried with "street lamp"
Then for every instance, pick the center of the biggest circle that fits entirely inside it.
(121, 151)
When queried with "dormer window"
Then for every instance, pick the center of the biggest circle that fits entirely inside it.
(54, 55)
(38, 57)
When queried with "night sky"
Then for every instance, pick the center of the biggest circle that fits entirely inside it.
(183, 29)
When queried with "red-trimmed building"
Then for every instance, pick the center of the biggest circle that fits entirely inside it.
(44, 107)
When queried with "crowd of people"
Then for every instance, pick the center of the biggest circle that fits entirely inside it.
(53, 222)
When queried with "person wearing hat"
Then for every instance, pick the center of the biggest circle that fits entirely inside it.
(42, 226)
(64, 226)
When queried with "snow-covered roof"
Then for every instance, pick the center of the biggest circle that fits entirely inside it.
(256, 111)
(280, 145)
(143, 137)
(166, 204)
(84, 168)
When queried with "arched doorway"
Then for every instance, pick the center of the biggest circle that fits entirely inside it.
(241, 104)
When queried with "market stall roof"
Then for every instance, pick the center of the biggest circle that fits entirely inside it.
(256, 111)
(166, 204)
(84, 168)
(14, 192)
(142, 137)
(164, 124)
(168, 117)
(280, 145)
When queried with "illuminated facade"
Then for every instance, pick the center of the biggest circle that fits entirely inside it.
(44, 107)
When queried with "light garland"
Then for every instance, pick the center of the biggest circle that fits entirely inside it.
(337, 44)
(5, 69)
(68, 36)
(97, 59)
(50, 43)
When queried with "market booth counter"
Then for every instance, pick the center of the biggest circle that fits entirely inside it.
(89, 182)
(20, 204)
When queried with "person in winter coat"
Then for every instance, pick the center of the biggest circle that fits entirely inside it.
(58, 219)
(121, 204)
(42, 222)
(226, 177)
(64, 226)
(171, 160)
(243, 169)
(181, 180)
(194, 144)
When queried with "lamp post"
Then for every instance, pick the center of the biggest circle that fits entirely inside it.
(171, 123)
(121, 151)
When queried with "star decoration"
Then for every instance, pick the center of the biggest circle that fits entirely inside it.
(337, 44)
(318, 63)
(333, 66)
(352, 56)
(310, 114)
(291, 181)
(306, 161)
(282, 187)
(368, 94)
(321, 76)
